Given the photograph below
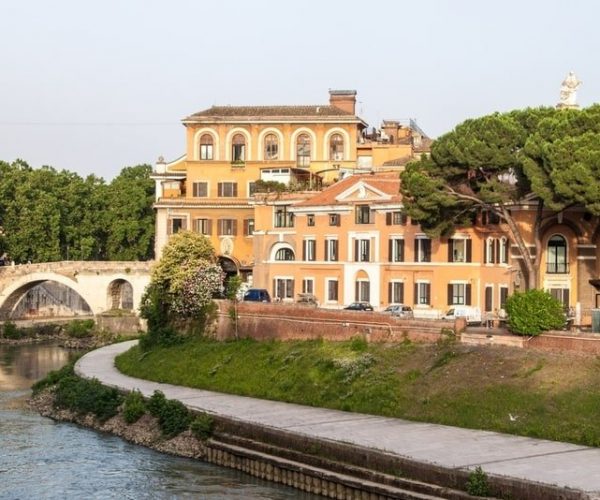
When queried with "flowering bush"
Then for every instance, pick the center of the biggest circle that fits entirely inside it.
(193, 287)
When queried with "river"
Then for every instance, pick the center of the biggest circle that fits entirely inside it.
(43, 459)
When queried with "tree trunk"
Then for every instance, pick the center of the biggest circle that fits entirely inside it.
(532, 270)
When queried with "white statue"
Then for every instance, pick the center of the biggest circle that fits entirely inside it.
(568, 91)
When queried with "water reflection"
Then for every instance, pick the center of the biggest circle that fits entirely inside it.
(40, 458)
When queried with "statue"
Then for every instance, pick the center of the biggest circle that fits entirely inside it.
(568, 91)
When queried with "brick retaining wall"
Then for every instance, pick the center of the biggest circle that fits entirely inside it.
(263, 321)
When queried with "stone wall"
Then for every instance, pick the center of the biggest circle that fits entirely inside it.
(262, 321)
(585, 343)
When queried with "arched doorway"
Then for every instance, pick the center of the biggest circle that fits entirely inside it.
(230, 268)
(120, 295)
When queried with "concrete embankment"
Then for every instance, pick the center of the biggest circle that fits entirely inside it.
(344, 455)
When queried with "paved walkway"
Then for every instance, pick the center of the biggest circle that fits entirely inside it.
(548, 462)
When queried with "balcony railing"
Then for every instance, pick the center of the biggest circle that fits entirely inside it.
(557, 268)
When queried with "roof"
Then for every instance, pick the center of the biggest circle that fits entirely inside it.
(398, 162)
(260, 112)
(387, 183)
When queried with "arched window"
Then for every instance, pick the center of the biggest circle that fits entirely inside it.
(206, 147)
(238, 148)
(271, 147)
(556, 258)
(503, 250)
(490, 251)
(284, 254)
(336, 147)
(303, 151)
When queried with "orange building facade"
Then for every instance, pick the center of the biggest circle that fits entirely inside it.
(352, 242)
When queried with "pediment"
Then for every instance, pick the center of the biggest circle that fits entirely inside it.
(362, 191)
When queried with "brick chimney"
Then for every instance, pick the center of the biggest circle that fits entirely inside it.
(344, 100)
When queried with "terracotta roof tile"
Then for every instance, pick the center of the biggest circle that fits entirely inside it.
(386, 183)
(257, 112)
(398, 162)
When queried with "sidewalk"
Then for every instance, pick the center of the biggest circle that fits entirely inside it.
(547, 462)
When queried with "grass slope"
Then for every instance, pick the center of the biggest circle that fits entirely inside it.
(553, 396)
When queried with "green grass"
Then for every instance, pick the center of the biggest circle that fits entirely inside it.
(548, 396)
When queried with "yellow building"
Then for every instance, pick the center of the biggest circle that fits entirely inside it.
(352, 242)
(230, 148)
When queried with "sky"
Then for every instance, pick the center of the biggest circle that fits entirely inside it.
(94, 86)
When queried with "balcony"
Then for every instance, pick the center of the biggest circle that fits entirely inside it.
(557, 268)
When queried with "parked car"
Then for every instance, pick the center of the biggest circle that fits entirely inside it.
(359, 306)
(400, 311)
(471, 314)
(257, 295)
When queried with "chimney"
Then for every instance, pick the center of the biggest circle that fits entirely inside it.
(344, 100)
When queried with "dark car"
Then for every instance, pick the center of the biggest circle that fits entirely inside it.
(257, 295)
(359, 306)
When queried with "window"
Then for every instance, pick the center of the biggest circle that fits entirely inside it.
(503, 296)
(556, 258)
(336, 147)
(284, 254)
(422, 250)
(283, 218)
(561, 294)
(334, 219)
(200, 189)
(206, 147)
(251, 188)
(309, 250)
(227, 189)
(283, 288)
(332, 290)
(395, 219)
(362, 250)
(396, 250)
(271, 147)
(303, 151)
(488, 217)
(363, 214)
(459, 294)
(308, 285)
(459, 250)
(489, 298)
(310, 220)
(227, 227)
(331, 250)
(203, 226)
(396, 292)
(362, 291)
(503, 250)
(248, 227)
(176, 224)
(238, 148)
(422, 293)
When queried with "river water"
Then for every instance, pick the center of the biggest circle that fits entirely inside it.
(41, 459)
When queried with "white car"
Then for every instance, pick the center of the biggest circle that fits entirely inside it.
(400, 311)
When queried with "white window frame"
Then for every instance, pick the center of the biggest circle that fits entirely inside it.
(310, 249)
(305, 287)
(419, 293)
(329, 300)
(289, 294)
(394, 295)
(330, 246)
(207, 188)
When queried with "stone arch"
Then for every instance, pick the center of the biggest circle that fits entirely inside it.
(228, 143)
(280, 245)
(313, 143)
(261, 143)
(215, 136)
(345, 137)
(16, 290)
(120, 295)
(554, 225)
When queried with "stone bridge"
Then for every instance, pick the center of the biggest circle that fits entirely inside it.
(102, 285)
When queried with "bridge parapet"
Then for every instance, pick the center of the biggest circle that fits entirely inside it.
(73, 267)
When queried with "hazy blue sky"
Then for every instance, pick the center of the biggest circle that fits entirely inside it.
(93, 86)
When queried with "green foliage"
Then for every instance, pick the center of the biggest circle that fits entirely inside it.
(232, 286)
(160, 336)
(133, 407)
(156, 403)
(87, 396)
(477, 484)
(359, 344)
(533, 312)
(54, 377)
(11, 331)
(202, 426)
(261, 186)
(80, 328)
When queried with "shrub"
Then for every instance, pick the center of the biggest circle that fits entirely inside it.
(174, 418)
(54, 377)
(156, 403)
(10, 331)
(202, 426)
(87, 396)
(533, 312)
(80, 328)
(134, 407)
(477, 484)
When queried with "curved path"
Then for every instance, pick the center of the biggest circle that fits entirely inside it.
(547, 462)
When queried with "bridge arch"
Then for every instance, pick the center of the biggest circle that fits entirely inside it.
(18, 288)
(120, 295)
